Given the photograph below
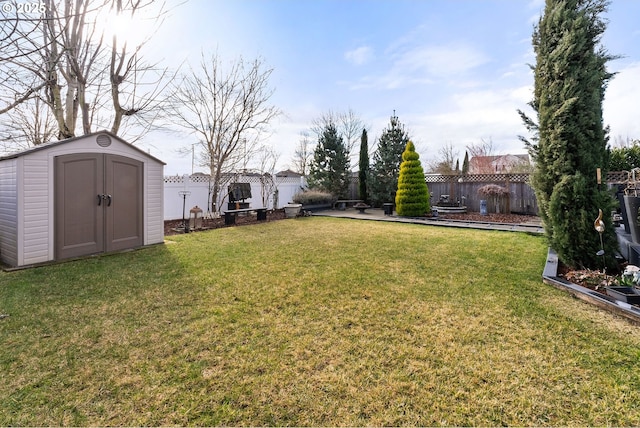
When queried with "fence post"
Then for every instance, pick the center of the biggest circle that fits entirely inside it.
(508, 187)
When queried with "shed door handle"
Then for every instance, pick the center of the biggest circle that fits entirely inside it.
(100, 199)
(108, 200)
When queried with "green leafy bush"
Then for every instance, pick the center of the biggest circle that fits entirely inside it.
(625, 158)
(412, 197)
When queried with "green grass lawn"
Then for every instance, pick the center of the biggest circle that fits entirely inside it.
(313, 321)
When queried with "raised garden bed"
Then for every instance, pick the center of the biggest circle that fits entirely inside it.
(591, 291)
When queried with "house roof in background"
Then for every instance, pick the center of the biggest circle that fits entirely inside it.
(288, 173)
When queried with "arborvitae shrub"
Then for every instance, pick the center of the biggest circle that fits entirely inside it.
(569, 139)
(566, 207)
(412, 196)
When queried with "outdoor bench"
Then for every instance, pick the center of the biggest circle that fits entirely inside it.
(230, 215)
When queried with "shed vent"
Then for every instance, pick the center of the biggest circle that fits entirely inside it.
(103, 140)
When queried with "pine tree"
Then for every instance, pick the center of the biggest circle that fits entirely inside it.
(412, 197)
(363, 169)
(570, 141)
(465, 164)
(329, 169)
(383, 178)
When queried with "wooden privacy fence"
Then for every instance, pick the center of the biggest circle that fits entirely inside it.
(521, 199)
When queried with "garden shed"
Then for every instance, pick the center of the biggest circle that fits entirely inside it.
(86, 195)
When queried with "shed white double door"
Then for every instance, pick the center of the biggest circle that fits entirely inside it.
(97, 204)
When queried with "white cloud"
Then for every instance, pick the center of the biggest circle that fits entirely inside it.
(422, 65)
(620, 106)
(441, 61)
(359, 56)
(472, 117)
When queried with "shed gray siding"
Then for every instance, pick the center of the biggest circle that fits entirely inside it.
(154, 204)
(27, 197)
(9, 212)
(35, 211)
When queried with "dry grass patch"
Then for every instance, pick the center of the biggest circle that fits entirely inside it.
(313, 321)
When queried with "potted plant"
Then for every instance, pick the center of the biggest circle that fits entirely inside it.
(292, 210)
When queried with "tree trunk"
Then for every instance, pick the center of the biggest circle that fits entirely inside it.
(216, 174)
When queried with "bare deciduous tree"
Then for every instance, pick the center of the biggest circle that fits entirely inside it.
(303, 154)
(480, 157)
(62, 53)
(27, 125)
(227, 110)
(267, 159)
(621, 142)
(445, 164)
(348, 124)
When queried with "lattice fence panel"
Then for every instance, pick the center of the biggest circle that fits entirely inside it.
(478, 178)
(618, 177)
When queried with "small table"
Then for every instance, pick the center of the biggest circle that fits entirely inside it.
(341, 204)
(361, 207)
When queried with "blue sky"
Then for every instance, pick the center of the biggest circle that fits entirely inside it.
(454, 71)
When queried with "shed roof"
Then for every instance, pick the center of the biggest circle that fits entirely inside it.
(50, 144)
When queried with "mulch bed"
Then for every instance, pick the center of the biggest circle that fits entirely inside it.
(492, 218)
(175, 227)
(591, 279)
(594, 280)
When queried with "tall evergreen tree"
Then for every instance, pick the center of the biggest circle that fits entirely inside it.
(363, 168)
(383, 179)
(412, 197)
(329, 169)
(570, 141)
(465, 164)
